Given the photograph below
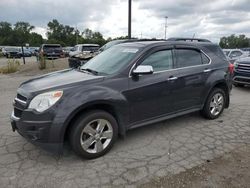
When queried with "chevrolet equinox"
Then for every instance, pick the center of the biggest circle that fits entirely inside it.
(127, 86)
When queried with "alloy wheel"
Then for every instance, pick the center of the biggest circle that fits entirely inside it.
(96, 136)
(216, 104)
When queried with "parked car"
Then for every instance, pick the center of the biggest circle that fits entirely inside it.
(78, 58)
(115, 42)
(241, 76)
(67, 50)
(234, 54)
(33, 50)
(79, 48)
(51, 51)
(11, 52)
(26, 52)
(126, 86)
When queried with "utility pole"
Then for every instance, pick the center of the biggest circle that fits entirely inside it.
(129, 18)
(166, 25)
(76, 34)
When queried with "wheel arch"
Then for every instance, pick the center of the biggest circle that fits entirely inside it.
(222, 85)
(100, 105)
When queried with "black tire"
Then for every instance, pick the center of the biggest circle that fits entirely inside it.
(238, 85)
(81, 123)
(206, 111)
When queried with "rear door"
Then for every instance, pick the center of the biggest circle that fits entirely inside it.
(193, 70)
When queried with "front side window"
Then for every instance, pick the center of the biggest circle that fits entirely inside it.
(160, 61)
(187, 57)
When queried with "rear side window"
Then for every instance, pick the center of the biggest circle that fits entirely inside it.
(205, 59)
(187, 57)
(160, 61)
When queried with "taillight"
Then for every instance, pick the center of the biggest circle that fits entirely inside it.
(231, 68)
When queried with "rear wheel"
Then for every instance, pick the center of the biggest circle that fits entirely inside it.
(93, 134)
(214, 104)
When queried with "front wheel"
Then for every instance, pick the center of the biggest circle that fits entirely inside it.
(93, 134)
(214, 104)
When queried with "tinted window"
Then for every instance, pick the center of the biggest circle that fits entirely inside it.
(160, 61)
(235, 54)
(186, 58)
(205, 59)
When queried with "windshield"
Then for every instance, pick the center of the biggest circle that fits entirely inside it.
(109, 44)
(11, 49)
(90, 48)
(111, 60)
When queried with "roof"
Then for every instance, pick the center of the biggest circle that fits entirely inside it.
(97, 45)
(166, 42)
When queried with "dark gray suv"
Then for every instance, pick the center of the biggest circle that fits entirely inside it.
(127, 86)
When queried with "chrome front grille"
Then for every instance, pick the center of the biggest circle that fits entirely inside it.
(243, 68)
(20, 103)
(21, 97)
(17, 112)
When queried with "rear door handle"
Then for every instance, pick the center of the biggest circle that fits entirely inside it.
(172, 78)
(207, 70)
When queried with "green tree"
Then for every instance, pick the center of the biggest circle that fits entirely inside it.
(35, 39)
(5, 33)
(234, 41)
(62, 34)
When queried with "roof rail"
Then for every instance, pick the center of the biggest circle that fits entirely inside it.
(144, 39)
(188, 39)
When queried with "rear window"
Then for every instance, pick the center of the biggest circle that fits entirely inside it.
(216, 50)
(187, 57)
(52, 46)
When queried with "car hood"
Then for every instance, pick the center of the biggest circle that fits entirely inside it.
(245, 60)
(73, 53)
(57, 80)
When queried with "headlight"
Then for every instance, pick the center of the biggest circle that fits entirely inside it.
(44, 101)
(236, 64)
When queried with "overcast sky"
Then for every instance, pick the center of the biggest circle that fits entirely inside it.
(208, 19)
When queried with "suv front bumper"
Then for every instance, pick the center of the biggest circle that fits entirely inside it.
(241, 78)
(36, 132)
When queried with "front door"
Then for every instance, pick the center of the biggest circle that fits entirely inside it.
(150, 96)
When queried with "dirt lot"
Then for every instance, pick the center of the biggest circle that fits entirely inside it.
(31, 66)
(230, 170)
(183, 152)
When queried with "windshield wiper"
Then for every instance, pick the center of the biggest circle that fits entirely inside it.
(90, 70)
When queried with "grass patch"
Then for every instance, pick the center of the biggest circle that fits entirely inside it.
(11, 67)
(42, 63)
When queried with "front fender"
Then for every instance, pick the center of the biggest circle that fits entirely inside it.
(97, 95)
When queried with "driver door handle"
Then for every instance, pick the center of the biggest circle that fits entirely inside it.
(171, 78)
(207, 70)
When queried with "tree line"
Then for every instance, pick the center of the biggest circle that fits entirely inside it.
(234, 41)
(22, 32)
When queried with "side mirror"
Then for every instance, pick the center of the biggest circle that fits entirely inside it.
(143, 69)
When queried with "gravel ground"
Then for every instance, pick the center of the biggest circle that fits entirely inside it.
(170, 151)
